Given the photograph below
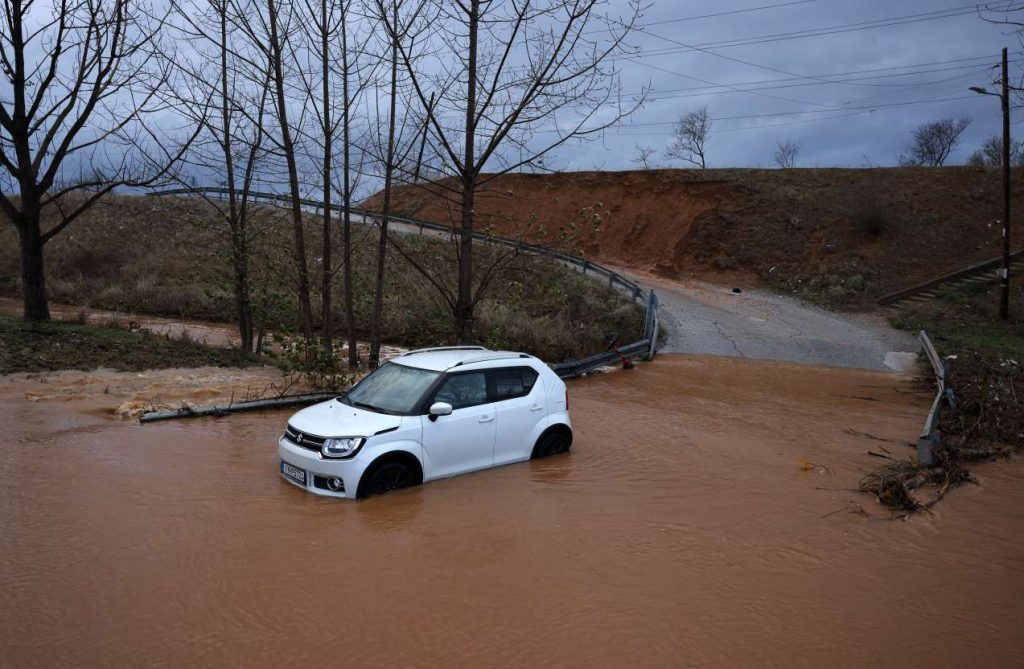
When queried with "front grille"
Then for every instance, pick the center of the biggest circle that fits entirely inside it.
(303, 440)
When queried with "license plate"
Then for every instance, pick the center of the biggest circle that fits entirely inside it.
(294, 473)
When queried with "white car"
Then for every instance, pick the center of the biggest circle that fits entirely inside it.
(426, 415)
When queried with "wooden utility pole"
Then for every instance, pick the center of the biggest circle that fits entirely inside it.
(1004, 297)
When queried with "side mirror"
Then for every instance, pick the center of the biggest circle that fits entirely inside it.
(439, 409)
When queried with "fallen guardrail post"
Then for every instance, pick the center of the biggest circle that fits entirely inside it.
(235, 407)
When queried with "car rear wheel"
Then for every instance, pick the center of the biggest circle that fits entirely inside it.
(551, 443)
(387, 477)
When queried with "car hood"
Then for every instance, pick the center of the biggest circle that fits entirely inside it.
(334, 419)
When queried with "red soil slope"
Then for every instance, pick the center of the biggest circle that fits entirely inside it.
(845, 235)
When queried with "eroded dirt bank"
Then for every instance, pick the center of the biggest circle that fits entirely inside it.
(685, 528)
(845, 236)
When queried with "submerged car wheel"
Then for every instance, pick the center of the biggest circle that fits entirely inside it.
(551, 443)
(387, 477)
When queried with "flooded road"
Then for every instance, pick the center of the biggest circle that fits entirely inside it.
(687, 527)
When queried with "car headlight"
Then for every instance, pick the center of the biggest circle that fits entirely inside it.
(341, 447)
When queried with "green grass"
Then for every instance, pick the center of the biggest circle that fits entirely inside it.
(36, 347)
(966, 319)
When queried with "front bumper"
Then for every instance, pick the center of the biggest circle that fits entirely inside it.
(318, 471)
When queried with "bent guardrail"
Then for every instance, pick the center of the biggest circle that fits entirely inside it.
(930, 435)
(646, 347)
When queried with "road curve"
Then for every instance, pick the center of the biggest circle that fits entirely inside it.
(708, 319)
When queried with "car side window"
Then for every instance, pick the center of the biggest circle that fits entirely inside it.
(463, 390)
(513, 382)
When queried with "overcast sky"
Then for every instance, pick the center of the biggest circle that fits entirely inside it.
(934, 52)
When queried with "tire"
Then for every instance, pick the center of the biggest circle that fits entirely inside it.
(551, 443)
(387, 477)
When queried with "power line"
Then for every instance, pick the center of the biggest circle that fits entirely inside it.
(817, 111)
(951, 12)
(894, 88)
(726, 13)
(833, 75)
(818, 79)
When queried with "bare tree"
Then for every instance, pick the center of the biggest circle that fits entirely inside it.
(495, 71)
(270, 26)
(991, 153)
(643, 156)
(933, 142)
(690, 135)
(215, 89)
(79, 80)
(387, 154)
(785, 153)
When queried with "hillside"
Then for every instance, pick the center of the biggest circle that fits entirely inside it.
(839, 236)
(170, 256)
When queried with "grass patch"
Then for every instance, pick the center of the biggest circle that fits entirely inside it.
(168, 256)
(37, 347)
(965, 319)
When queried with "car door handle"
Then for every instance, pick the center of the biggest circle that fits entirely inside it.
(487, 419)
(536, 408)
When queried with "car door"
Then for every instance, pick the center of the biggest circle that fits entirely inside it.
(464, 440)
(518, 394)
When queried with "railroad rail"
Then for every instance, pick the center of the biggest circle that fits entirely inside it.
(979, 273)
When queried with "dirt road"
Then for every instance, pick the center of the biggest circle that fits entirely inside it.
(703, 519)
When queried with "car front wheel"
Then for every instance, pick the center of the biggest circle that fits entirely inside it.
(387, 477)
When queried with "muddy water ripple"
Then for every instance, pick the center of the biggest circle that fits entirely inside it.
(684, 529)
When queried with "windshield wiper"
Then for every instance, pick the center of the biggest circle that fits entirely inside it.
(364, 405)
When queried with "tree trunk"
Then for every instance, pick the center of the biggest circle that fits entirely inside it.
(33, 278)
(243, 300)
(288, 147)
(464, 304)
(389, 170)
(327, 333)
(236, 220)
(346, 242)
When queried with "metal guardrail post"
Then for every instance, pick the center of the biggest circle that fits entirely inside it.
(931, 438)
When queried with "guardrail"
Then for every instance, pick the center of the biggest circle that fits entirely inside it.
(930, 436)
(615, 280)
(646, 347)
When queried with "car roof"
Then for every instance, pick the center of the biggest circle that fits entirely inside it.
(441, 359)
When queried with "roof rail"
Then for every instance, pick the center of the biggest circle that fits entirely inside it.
(495, 355)
(444, 348)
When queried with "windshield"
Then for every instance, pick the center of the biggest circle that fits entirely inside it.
(391, 389)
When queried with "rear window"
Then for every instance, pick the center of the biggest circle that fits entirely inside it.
(513, 382)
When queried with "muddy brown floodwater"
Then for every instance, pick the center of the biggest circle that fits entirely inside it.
(687, 527)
